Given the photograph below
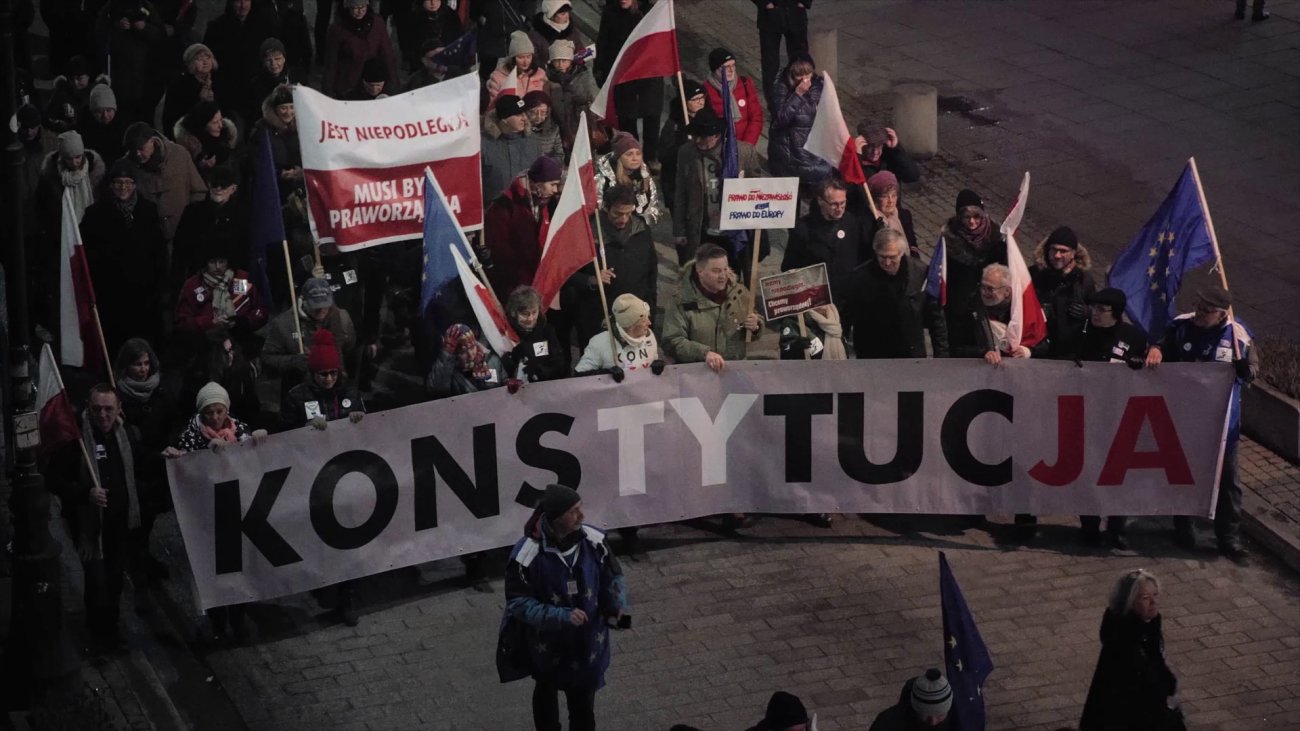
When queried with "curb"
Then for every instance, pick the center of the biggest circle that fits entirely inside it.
(1270, 531)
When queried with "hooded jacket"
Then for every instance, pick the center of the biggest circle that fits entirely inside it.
(505, 156)
(286, 150)
(633, 355)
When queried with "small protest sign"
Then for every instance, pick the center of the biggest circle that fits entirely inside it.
(795, 291)
(757, 203)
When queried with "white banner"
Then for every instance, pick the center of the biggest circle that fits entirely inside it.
(310, 508)
(363, 161)
(749, 203)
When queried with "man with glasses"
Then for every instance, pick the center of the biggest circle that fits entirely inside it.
(1209, 334)
(829, 235)
(991, 320)
(889, 309)
(1063, 281)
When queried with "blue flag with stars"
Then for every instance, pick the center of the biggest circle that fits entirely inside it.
(1150, 271)
(460, 53)
(730, 161)
(967, 659)
(441, 232)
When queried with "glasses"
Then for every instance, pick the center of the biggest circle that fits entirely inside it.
(123, 183)
(991, 288)
(835, 204)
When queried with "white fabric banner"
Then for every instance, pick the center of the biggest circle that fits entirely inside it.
(310, 508)
(363, 161)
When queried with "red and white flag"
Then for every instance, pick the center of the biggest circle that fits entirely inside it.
(569, 245)
(1028, 326)
(829, 138)
(55, 415)
(79, 344)
(491, 318)
(511, 84)
(650, 51)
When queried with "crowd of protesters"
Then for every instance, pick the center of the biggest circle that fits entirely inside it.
(150, 128)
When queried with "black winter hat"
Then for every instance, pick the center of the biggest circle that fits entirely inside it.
(719, 56)
(783, 711)
(1113, 298)
(968, 197)
(508, 105)
(223, 176)
(1215, 296)
(692, 88)
(705, 124)
(122, 168)
(557, 500)
(1063, 236)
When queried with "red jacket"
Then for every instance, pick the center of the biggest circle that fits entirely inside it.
(750, 123)
(513, 236)
(194, 304)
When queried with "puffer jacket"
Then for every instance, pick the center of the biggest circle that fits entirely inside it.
(633, 355)
(505, 156)
(648, 205)
(571, 94)
(695, 325)
(792, 120)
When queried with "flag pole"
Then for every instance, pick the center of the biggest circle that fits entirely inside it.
(1218, 255)
(681, 93)
(99, 327)
(85, 453)
(293, 295)
(604, 306)
(753, 277)
(803, 333)
(871, 202)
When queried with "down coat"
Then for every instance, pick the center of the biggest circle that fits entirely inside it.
(792, 120)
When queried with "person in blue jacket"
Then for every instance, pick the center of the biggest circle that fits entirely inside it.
(566, 587)
(1208, 335)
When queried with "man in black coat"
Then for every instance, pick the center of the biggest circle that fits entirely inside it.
(126, 257)
(889, 308)
(631, 265)
(224, 215)
(829, 235)
(1063, 282)
(779, 19)
(235, 39)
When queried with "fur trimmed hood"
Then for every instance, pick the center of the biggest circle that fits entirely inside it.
(1082, 259)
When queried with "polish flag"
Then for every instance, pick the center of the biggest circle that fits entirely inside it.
(649, 52)
(569, 244)
(55, 415)
(1028, 326)
(829, 138)
(491, 319)
(511, 85)
(79, 344)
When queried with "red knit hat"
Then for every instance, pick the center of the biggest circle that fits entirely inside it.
(324, 355)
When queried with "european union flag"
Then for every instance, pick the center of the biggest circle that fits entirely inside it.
(266, 219)
(1150, 271)
(731, 159)
(964, 653)
(460, 53)
(441, 232)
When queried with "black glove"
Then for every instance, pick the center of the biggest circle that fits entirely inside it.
(1078, 310)
(799, 344)
(657, 367)
(617, 374)
(1242, 367)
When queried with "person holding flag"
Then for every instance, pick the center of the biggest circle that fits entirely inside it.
(725, 82)
(698, 189)
(514, 223)
(519, 73)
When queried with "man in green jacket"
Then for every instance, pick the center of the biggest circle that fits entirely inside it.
(707, 320)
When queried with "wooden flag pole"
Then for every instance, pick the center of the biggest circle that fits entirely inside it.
(604, 306)
(103, 345)
(1218, 255)
(681, 93)
(871, 202)
(85, 455)
(753, 277)
(293, 295)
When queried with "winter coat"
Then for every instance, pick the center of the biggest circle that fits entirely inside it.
(792, 120)
(632, 356)
(296, 35)
(894, 159)
(630, 252)
(150, 423)
(194, 305)
(255, 92)
(1132, 680)
(549, 140)
(671, 139)
(505, 156)
(697, 204)
(348, 45)
(308, 400)
(418, 25)
(1185, 342)
(446, 379)
(965, 271)
(632, 99)
(66, 106)
(904, 218)
(183, 95)
(237, 44)
(286, 152)
(191, 437)
(890, 322)
(538, 356)
(749, 126)
(171, 183)
(985, 328)
(202, 146)
(1062, 297)
(648, 204)
(1121, 343)
(127, 264)
(206, 222)
(840, 245)
(901, 717)
(49, 189)
(280, 354)
(512, 232)
(90, 542)
(497, 19)
(538, 578)
(695, 324)
(134, 51)
(543, 35)
(786, 17)
(106, 139)
(534, 80)
(571, 94)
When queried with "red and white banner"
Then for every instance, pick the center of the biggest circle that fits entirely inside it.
(829, 137)
(569, 245)
(79, 344)
(55, 415)
(650, 51)
(363, 162)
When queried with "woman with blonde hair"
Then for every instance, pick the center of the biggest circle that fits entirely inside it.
(625, 165)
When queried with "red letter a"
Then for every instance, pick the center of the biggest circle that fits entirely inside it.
(1123, 455)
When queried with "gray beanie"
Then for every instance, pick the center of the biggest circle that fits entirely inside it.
(102, 97)
(70, 145)
(520, 43)
(931, 694)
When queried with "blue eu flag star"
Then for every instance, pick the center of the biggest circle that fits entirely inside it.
(967, 659)
(1174, 241)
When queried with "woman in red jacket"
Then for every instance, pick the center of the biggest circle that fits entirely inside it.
(746, 109)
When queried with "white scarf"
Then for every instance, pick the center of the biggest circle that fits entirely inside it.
(77, 182)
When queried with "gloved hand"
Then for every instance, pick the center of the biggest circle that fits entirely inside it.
(513, 385)
(617, 374)
(799, 344)
(1078, 310)
(657, 367)
(1242, 367)
(356, 416)
(318, 423)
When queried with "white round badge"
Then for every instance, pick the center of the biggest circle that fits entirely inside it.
(347, 403)
(1187, 346)
(198, 297)
(839, 234)
(740, 102)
